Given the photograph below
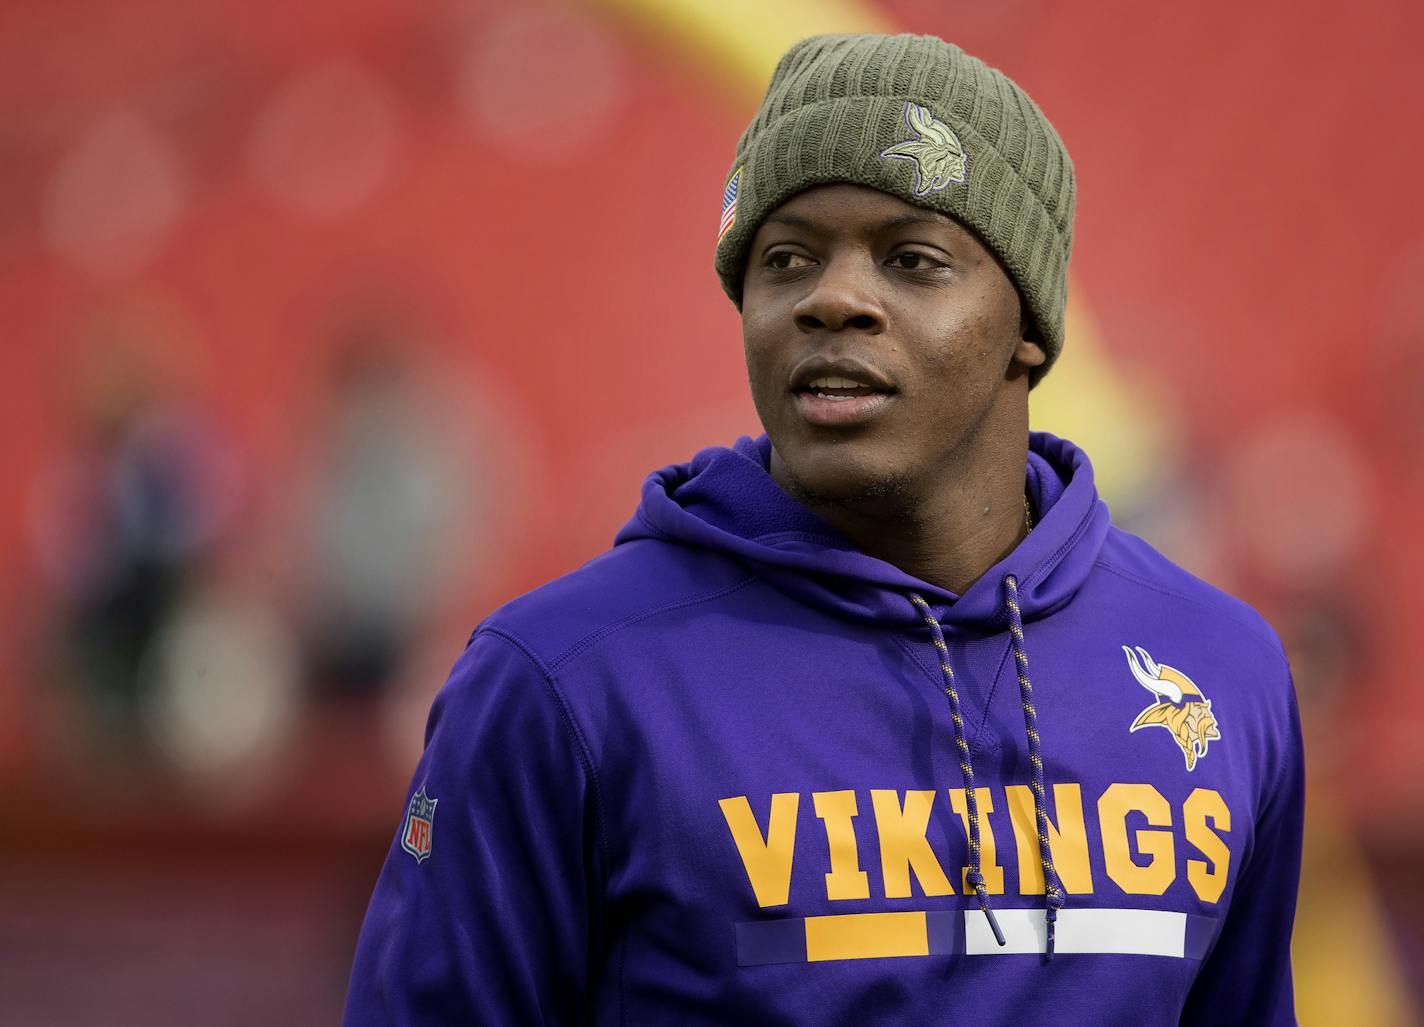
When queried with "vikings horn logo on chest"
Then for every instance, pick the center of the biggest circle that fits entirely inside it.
(1180, 707)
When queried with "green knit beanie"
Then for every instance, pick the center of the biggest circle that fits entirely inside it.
(920, 119)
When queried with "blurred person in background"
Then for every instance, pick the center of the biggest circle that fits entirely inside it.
(650, 788)
(379, 505)
(178, 668)
(123, 526)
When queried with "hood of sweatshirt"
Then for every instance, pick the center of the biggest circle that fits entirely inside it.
(726, 500)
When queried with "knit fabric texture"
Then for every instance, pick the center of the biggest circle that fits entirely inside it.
(920, 119)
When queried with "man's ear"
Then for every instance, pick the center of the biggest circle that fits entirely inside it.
(1029, 351)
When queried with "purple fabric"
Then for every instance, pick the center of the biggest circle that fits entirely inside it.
(732, 660)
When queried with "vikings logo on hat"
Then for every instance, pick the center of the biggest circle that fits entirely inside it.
(937, 152)
(419, 824)
(1180, 707)
(729, 204)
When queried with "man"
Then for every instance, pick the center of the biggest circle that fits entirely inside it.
(852, 724)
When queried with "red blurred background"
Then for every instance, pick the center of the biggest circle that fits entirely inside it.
(331, 327)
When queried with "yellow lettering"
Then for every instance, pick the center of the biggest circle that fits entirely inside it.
(846, 880)
(903, 845)
(1203, 805)
(1067, 842)
(767, 860)
(988, 855)
(1132, 877)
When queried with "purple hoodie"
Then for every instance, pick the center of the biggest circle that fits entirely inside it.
(713, 777)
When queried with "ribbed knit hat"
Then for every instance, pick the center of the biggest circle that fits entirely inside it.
(920, 119)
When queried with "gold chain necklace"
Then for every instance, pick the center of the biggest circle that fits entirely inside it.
(1028, 514)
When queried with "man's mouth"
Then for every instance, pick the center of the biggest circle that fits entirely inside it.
(836, 401)
(837, 389)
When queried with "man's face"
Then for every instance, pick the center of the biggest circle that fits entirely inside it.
(879, 337)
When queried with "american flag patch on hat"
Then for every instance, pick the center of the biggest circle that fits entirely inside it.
(729, 204)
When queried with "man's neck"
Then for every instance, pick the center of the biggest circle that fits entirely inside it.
(950, 533)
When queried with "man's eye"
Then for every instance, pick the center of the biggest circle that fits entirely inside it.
(912, 261)
(784, 260)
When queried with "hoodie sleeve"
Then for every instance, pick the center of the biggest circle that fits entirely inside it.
(1247, 977)
(495, 924)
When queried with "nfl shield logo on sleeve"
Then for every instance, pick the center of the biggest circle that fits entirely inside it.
(419, 824)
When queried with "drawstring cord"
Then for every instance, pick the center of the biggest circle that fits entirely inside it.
(1053, 891)
(975, 876)
(1052, 887)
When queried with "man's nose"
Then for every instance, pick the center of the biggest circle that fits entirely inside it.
(844, 297)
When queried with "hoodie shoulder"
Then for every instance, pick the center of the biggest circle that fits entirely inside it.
(1138, 564)
(631, 582)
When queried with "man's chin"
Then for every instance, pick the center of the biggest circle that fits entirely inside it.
(886, 490)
